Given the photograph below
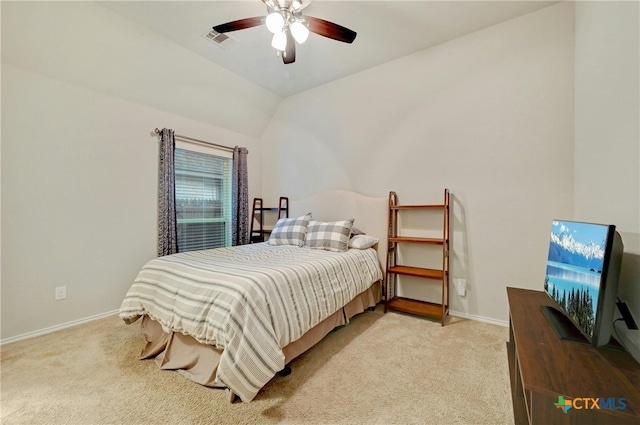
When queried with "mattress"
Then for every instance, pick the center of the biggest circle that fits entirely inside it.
(199, 362)
(249, 301)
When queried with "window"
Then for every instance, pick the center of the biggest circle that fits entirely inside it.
(203, 200)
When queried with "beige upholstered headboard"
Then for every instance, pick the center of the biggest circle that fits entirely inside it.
(370, 213)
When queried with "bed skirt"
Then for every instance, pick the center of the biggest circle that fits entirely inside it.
(199, 362)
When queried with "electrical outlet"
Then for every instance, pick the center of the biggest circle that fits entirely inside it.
(461, 286)
(61, 293)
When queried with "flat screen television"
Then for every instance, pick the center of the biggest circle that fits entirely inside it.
(583, 267)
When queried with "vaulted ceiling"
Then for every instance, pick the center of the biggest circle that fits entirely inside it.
(155, 53)
(386, 30)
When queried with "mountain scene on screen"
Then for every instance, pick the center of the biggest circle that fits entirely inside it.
(578, 304)
(574, 269)
(587, 253)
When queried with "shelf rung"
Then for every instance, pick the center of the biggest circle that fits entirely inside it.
(417, 271)
(416, 207)
(422, 308)
(410, 239)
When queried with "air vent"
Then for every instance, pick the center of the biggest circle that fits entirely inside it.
(219, 39)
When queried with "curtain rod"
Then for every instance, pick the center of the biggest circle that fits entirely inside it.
(192, 140)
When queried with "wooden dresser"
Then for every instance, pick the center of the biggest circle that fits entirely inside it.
(602, 384)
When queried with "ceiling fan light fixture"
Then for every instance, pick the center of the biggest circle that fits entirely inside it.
(299, 31)
(279, 41)
(274, 22)
(289, 27)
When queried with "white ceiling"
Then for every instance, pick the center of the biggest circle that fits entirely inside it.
(386, 30)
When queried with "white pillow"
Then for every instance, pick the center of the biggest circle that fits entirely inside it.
(362, 241)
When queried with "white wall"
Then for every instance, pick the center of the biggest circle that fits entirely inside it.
(607, 129)
(79, 196)
(488, 115)
(79, 162)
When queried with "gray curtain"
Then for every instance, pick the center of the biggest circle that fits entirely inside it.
(240, 212)
(167, 228)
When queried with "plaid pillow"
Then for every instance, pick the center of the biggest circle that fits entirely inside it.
(331, 236)
(290, 231)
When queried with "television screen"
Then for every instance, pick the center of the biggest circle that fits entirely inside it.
(582, 271)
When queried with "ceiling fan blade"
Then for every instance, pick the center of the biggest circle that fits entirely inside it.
(240, 24)
(289, 55)
(330, 30)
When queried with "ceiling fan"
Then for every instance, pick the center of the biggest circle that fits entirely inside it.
(288, 25)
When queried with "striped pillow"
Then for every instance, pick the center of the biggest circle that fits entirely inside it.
(290, 231)
(330, 236)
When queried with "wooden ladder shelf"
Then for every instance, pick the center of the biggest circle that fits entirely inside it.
(433, 310)
(261, 223)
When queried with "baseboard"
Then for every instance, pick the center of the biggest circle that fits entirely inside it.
(57, 327)
(114, 312)
(479, 318)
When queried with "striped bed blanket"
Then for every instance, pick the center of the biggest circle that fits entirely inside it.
(250, 301)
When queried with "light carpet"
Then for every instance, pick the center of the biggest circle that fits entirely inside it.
(379, 369)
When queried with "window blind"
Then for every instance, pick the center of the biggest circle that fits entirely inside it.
(203, 200)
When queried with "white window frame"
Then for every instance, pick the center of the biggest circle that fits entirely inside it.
(227, 209)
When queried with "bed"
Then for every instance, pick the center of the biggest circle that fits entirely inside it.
(234, 317)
